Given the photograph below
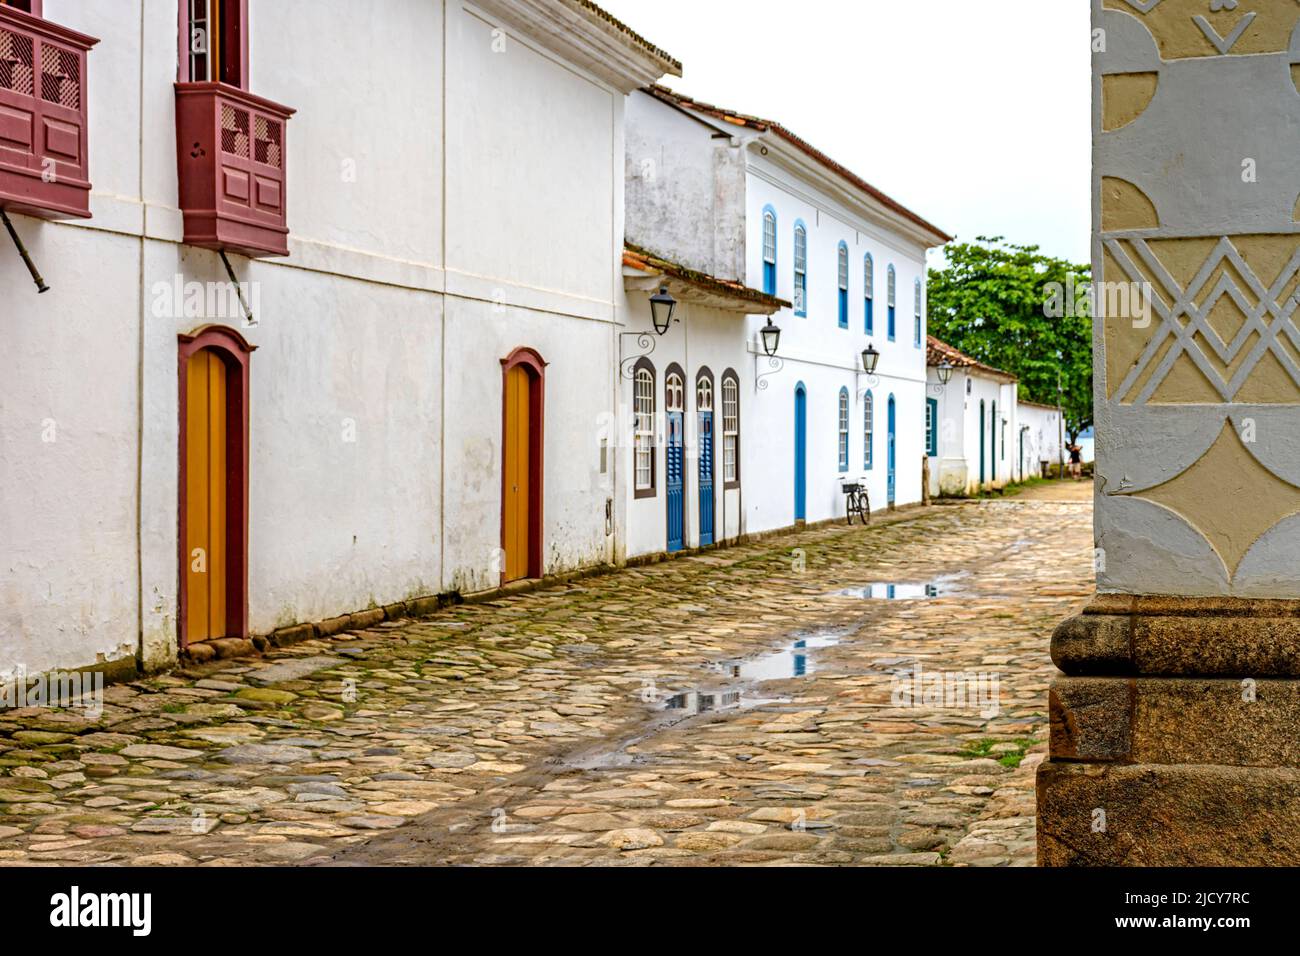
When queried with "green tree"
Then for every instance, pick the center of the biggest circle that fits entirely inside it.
(1021, 311)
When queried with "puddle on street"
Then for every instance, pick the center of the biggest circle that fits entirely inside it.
(793, 661)
(944, 586)
(693, 702)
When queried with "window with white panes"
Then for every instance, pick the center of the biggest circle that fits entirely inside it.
(730, 429)
(644, 439)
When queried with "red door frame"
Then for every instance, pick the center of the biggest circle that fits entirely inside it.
(235, 351)
(535, 365)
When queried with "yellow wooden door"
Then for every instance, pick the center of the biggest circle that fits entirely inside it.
(515, 513)
(205, 497)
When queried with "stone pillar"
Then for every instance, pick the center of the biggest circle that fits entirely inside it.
(1175, 728)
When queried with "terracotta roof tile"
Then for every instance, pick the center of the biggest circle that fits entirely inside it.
(763, 126)
(936, 351)
(638, 258)
(635, 37)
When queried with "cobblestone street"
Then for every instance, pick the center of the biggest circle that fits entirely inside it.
(659, 715)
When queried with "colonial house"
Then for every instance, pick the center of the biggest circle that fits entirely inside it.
(973, 435)
(333, 312)
(743, 200)
(687, 393)
(1045, 437)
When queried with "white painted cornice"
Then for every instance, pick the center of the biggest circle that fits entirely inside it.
(574, 31)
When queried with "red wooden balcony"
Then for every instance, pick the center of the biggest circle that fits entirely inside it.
(43, 166)
(230, 149)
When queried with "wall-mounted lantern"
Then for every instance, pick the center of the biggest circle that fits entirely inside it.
(771, 335)
(945, 372)
(870, 359)
(662, 307)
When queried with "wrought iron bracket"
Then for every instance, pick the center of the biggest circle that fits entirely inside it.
(938, 388)
(873, 381)
(644, 340)
(239, 291)
(27, 259)
(774, 365)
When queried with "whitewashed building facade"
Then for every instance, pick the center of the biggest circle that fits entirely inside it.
(972, 424)
(743, 199)
(1045, 437)
(429, 236)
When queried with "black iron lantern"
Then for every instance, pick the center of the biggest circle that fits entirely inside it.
(662, 307)
(945, 372)
(869, 359)
(771, 337)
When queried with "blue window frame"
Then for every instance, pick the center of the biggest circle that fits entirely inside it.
(769, 250)
(919, 322)
(869, 294)
(800, 269)
(932, 427)
(842, 276)
(891, 327)
(844, 429)
(868, 429)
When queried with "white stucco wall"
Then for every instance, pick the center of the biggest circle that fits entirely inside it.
(1043, 439)
(387, 322)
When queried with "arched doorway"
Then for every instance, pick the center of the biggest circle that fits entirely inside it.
(213, 507)
(800, 452)
(522, 407)
(675, 455)
(704, 409)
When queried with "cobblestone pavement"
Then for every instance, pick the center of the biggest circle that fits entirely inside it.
(656, 715)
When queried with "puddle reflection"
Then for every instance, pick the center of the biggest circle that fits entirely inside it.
(793, 661)
(945, 586)
(692, 702)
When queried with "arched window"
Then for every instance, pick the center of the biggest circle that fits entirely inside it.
(730, 429)
(843, 277)
(917, 314)
(891, 327)
(800, 269)
(674, 393)
(644, 428)
(844, 429)
(869, 293)
(868, 428)
(769, 250)
(704, 394)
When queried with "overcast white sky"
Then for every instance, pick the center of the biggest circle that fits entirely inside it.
(973, 114)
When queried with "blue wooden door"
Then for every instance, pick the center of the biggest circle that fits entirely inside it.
(674, 465)
(893, 458)
(993, 443)
(706, 478)
(800, 453)
(982, 455)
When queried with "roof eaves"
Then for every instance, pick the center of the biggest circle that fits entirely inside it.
(638, 257)
(761, 125)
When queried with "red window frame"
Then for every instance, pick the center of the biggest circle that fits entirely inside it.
(231, 41)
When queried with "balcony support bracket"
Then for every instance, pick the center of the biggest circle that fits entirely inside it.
(249, 320)
(22, 251)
